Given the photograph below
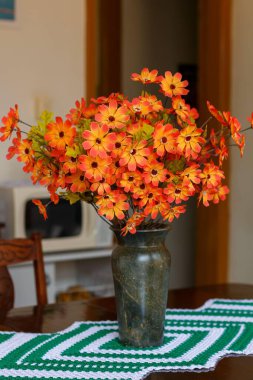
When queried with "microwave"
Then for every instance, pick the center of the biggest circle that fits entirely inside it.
(68, 227)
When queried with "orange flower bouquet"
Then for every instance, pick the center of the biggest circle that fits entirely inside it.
(137, 162)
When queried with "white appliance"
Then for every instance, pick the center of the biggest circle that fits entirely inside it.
(68, 227)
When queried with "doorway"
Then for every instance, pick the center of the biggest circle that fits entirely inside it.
(166, 34)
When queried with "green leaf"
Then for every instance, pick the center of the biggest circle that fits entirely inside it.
(37, 132)
(71, 197)
(73, 151)
(147, 131)
(176, 165)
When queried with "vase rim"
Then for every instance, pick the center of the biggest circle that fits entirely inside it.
(165, 228)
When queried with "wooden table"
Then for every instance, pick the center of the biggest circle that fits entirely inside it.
(56, 317)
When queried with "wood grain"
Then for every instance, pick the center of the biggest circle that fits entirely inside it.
(212, 248)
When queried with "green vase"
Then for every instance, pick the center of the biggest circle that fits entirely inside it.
(140, 267)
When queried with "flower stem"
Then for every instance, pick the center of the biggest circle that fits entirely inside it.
(23, 122)
(101, 216)
(207, 121)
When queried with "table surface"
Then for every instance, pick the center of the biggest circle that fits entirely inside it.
(57, 317)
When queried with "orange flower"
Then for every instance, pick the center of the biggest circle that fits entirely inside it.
(120, 143)
(69, 164)
(115, 172)
(146, 76)
(60, 179)
(205, 195)
(211, 175)
(171, 85)
(190, 141)
(115, 207)
(135, 155)
(140, 106)
(222, 150)
(10, 123)
(12, 150)
(220, 194)
(250, 119)
(112, 115)
(217, 114)
(238, 138)
(37, 170)
(165, 138)
(181, 108)
(241, 145)
(192, 172)
(101, 187)
(78, 182)
(155, 104)
(179, 192)
(213, 194)
(144, 105)
(133, 222)
(41, 207)
(154, 172)
(76, 115)
(129, 180)
(25, 153)
(94, 168)
(154, 209)
(60, 134)
(150, 195)
(119, 98)
(98, 141)
(48, 174)
(170, 213)
(140, 191)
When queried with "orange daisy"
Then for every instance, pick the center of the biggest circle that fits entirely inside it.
(113, 205)
(154, 172)
(130, 180)
(101, 187)
(211, 175)
(112, 115)
(190, 141)
(10, 124)
(192, 172)
(170, 213)
(165, 138)
(171, 85)
(135, 155)
(41, 207)
(146, 76)
(25, 154)
(181, 108)
(60, 134)
(179, 192)
(134, 221)
(98, 141)
(120, 143)
(78, 182)
(94, 168)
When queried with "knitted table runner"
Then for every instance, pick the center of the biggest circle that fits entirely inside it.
(194, 340)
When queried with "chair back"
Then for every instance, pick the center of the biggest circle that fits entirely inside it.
(19, 250)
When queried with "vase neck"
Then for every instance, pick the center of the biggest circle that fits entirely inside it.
(142, 238)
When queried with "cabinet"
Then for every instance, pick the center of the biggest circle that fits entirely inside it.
(90, 268)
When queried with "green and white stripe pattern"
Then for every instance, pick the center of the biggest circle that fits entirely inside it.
(194, 340)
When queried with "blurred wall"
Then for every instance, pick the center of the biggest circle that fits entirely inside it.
(42, 63)
(159, 34)
(241, 186)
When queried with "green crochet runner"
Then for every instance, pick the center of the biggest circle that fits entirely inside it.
(194, 340)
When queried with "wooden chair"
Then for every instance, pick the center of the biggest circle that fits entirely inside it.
(14, 251)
